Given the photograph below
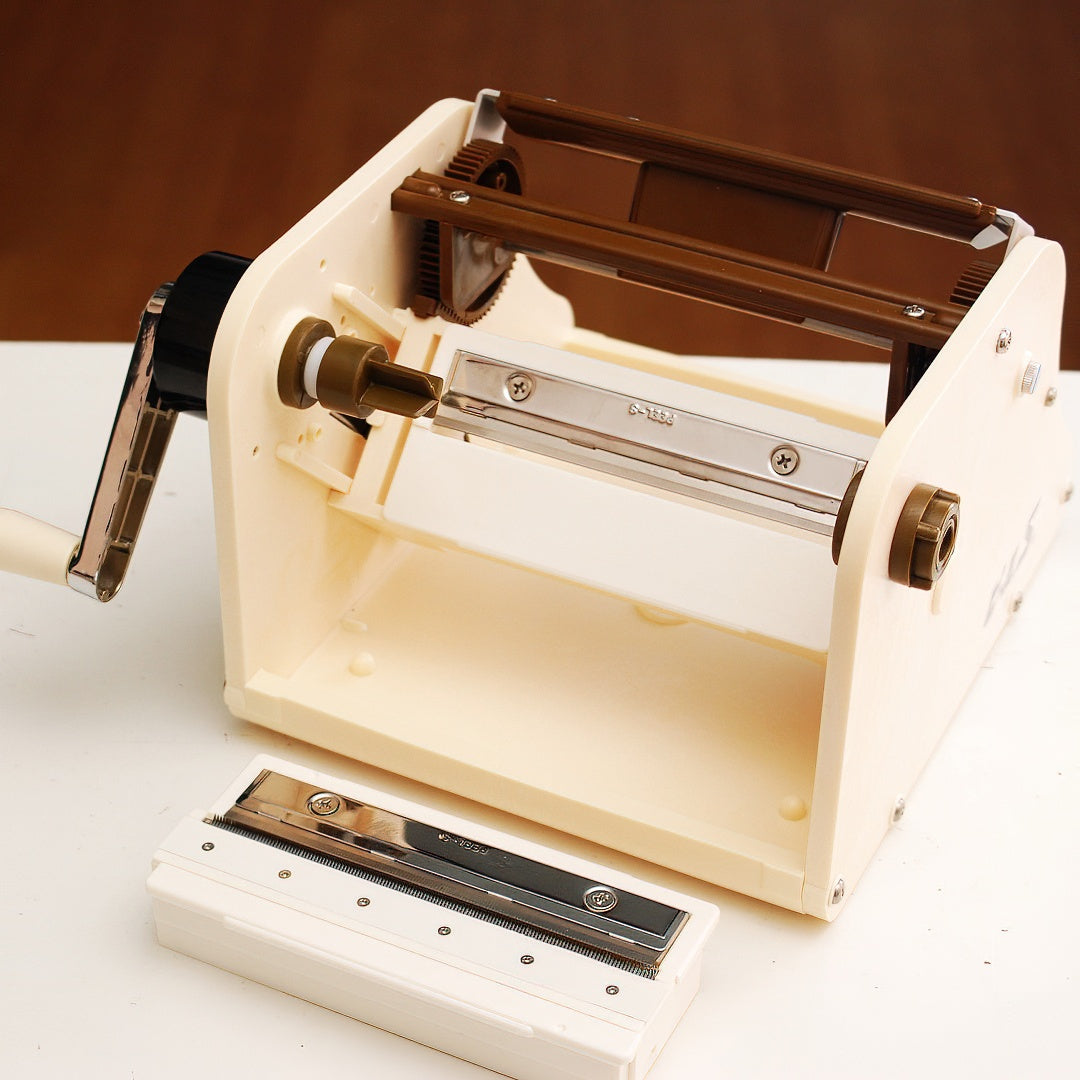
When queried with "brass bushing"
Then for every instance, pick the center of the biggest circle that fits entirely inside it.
(925, 536)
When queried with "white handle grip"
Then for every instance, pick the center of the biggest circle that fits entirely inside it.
(35, 549)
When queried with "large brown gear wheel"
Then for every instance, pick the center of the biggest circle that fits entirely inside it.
(488, 164)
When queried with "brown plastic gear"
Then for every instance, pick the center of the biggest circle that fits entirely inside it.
(971, 283)
(488, 164)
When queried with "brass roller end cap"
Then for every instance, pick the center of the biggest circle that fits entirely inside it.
(925, 536)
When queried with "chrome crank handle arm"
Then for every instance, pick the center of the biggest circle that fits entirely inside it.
(96, 564)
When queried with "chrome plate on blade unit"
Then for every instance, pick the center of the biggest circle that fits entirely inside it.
(646, 441)
(457, 870)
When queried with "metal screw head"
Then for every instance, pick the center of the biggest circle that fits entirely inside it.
(784, 460)
(324, 803)
(519, 386)
(898, 808)
(600, 898)
(837, 892)
(915, 311)
(612, 989)
(461, 197)
(1004, 340)
(1031, 378)
(1051, 395)
(526, 959)
(443, 931)
(363, 901)
(284, 873)
(208, 846)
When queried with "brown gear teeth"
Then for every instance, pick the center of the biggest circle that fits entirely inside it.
(488, 164)
(972, 281)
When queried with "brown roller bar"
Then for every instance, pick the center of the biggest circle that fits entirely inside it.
(841, 189)
(677, 263)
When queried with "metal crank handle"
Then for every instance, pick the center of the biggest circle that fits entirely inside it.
(166, 376)
(140, 437)
(96, 564)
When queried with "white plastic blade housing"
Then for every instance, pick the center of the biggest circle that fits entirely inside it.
(399, 961)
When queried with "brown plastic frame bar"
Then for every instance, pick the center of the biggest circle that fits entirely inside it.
(676, 263)
(955, 216)
(800, 204)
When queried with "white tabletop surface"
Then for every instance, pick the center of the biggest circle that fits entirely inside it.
(958, 955)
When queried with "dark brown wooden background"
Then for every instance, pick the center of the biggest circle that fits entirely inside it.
(134, 136)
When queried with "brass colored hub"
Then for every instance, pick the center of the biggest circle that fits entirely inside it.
(925, 536)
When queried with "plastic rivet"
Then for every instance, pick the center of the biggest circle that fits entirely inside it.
(362, 664)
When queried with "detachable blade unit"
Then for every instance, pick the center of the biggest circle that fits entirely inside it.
(647, 441)
(457, 871)
(527, 959)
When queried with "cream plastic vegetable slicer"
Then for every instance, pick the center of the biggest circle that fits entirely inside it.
(636, 598)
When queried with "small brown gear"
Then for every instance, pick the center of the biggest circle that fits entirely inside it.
(488, 164)
(971, 283)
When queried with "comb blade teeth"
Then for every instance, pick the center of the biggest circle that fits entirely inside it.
(513, 925)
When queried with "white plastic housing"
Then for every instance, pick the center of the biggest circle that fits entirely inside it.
(295, 924)
(742, 711)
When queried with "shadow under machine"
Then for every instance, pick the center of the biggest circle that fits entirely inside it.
(640, 598)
